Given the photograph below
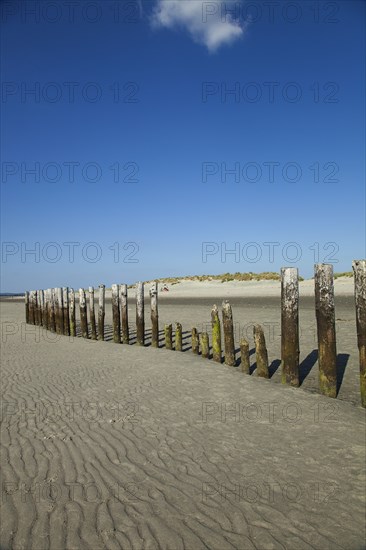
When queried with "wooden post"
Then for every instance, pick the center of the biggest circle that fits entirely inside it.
(325, 319)
(115, 315)
(205, 345)
(168, 336)
(66, 312)
(31, 308)
(72, 312)
(37, 313)
(359, 272)
(43, 308)
(26, 303)
(154, 315)
(52, 320)
(260, 352)
(124, 314)
(140, 319)
(40, 306)
(59, 312)
(92, 314)
(101, 312)
(195, 341)
(290, 348)
(216, 334)
(227, 320)
(178, 336)
(83, 314)
(244, 354)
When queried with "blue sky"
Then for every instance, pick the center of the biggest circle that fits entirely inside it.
(141, 156)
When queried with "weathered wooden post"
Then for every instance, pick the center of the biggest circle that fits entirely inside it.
(101, 312)
(244, 354)
(216, 334)
(83, 314)
(124, 314)
(359, 273)
(59, 311)
(260, 352)
(31, 308)
(154, 315)
(52, 321)
(38, 315)
(325, 319)
(229, 345)
(26, 302)
(40, 307)
(290, 348)
(168, 331)
(140, 319)
(93, 325)
(66, 310)
(178, 337)
(115, 315)
(195, 341)
(43, 296)
(205, 345)
(72, 312)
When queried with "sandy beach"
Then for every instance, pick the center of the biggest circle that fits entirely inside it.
(108, 446)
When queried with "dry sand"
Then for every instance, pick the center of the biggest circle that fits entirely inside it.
(113, 446)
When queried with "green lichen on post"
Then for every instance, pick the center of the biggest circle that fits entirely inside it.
(168, 330)
(205, 345)
(195, 341)
(178, 337)
(244, 354)
(260, 352)
(227, 318)
(216, 335)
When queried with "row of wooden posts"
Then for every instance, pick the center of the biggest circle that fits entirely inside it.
(55, 309)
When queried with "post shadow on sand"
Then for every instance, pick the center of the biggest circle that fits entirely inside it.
(307, 364)
(342, 360)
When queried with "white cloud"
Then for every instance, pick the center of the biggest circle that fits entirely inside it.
(207, 21)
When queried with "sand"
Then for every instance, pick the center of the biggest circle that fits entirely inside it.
(114, 446)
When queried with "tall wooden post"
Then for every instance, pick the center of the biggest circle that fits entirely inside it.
(83, 314)
(325, 318)
(359, 272)
(124, 314)
(37, 308)
(115, 315)
(195, 341)
(290, 348)
(101, 312)
(229, 345)
(72, 312)
(44, 308)
(52, 322)
(244, 354)
(260, 352)
(66, 309)
(26, 303)
(59, 311)
(154, 315)
(178, 337)
(40, 306)
(140, 319)
(205, 345)
(93, 325)
(168, 336)
(31, 308)
(216, 334)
